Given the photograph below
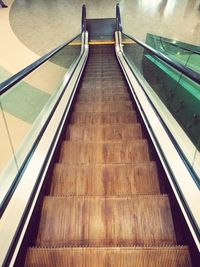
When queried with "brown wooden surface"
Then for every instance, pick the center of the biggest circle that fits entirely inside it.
(105, 179)
(108, 89)
(104, 152)
(111, 221)
(103, 132)
(108, 74)
(103, 78)
(112, 257)
(103, 118)
(100, 84)
(103, 107)
(103, 98)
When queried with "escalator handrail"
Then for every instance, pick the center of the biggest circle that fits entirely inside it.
(162, 40)
(83, 20)
(193, 75)
(10, 82)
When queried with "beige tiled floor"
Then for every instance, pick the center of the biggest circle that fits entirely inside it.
(41, 24)
(31, 28)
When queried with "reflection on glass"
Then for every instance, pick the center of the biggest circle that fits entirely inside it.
(170, 7)
(186, 54)
(6, 147)
(26, 105)
(162, 7)
(179, 94)
(194, 62)
(7, 159)
(151, 6)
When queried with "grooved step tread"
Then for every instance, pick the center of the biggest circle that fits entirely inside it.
(100, 132)
(112, 257)
(103, 118)
(103, 84)
(113, 78)
(104, 152)
(108, 179)
(102, 65)
(103, 107)
(103, 75)
(102, 98)
(108, 64)
(101, 72)
(106, 221)
(106, 90)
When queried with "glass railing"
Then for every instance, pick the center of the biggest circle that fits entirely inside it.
(25, 108)
(177, 97)
(186, 54)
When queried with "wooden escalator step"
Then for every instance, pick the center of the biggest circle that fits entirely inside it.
(103, 118)
(104, 75)
(102, 98)
(98, 90)
(106, 221)
(105, 179)
(103, 107)
(102, 83)
(103, 132)
(102, 72)
(100, 79)
(104, 152)
(176, 256)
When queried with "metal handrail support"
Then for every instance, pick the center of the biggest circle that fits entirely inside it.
(118, 18)
(83, 21)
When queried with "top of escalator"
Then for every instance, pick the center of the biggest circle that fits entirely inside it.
(101, 30)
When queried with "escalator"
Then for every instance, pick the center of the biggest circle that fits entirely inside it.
(105, 206)
(106, 191)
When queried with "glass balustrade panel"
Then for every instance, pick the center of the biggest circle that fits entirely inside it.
(27, 106)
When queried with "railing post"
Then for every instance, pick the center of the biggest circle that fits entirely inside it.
(118, 18)
(83, 21)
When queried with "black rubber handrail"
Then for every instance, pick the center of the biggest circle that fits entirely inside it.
(83, 21)
(7, 84)
(193, 75)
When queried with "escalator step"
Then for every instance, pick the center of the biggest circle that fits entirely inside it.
(102, 98)
(103, 132)
(104, 152)
(103, 84)
(112, 257)
(101, 74)
(103, 107)
(102, 64)
(106, 90)
(106, 221)
(105, 179)
(115, 78)
(103, 118)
